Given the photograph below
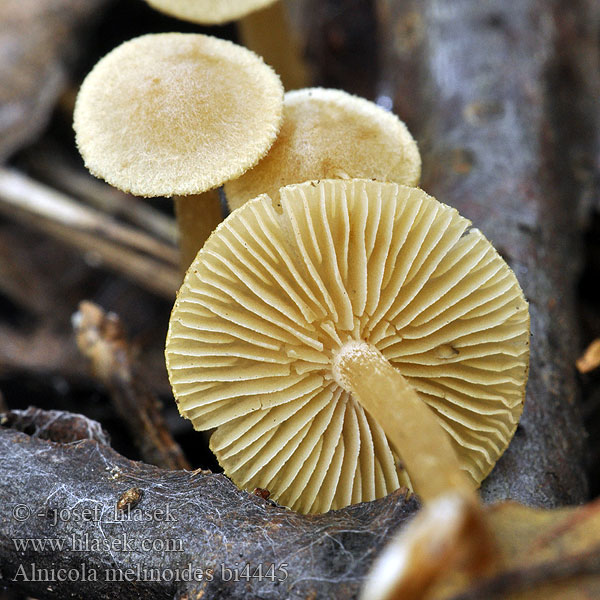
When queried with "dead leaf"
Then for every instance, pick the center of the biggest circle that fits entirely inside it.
(538, 554)
(549, 554)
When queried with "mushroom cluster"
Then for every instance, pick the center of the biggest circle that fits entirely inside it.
(344, 330)
(343, 336)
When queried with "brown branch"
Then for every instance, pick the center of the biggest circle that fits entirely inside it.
(100, 337)
(472, 80)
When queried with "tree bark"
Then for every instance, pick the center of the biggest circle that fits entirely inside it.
(478, 83)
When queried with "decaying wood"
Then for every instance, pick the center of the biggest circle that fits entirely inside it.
(36, 36)
(100, 337)
(193, 519)
(54, 425)
(475, 76)
(128, 530)
(146, 260)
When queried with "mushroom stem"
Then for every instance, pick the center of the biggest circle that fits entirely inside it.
(409, 424)
(268, 33)
(197, 217)
(452, 528)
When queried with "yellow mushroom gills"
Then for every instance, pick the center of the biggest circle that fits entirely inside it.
(414, 430)
(343, 329)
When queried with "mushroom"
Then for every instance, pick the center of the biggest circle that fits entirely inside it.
(177, 114)
(263, 27)
(347, 337)
(330, 134)
(209, 12)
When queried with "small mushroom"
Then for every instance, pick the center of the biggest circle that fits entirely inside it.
(177, 114)
(340, 327)
(263, 28)
(209, 12)
(330, 134)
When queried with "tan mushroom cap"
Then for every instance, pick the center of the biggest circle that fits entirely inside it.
(176, 114)
(209, 12)
(330, 134)
(283, 284)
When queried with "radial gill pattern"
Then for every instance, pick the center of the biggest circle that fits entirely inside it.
(283, 283)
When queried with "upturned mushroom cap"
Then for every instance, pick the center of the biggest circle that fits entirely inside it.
(209, 12)
(330, 134)
(284, 283)
(176, 114)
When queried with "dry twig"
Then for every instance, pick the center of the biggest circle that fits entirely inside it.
(50, 166)
(100, 337)
(590, 359)
(144, 259)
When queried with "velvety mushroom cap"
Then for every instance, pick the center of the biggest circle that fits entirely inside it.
(176, 114)
(209, 12)
(330, 134)
(282, 285)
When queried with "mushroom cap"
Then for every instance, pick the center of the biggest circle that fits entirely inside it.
(330, 134)
(209, 12)
(282, 284)
(176, 114)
